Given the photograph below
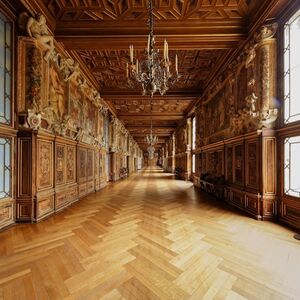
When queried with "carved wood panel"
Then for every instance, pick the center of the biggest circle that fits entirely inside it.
(71, 163)
(238, 164)
(229, 164)
(45, 206)
(44, 164)
(60, 164)
(82, 163)
(90, 164)
(252, 164)
(6, 213)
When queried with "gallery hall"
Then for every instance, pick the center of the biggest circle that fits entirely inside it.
(150, 149)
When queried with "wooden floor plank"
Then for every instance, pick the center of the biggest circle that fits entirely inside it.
(149, 237)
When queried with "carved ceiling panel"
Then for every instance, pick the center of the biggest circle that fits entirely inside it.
(142, 105)
(146, 122)
(181, 10)
(109, 67)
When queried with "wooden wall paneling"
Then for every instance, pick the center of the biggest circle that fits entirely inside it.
(97, 169)
(103, 168)
(65, 173)
(181, 166)
(44, 175)
(7, 214)
(253, 204)
(71, 168)
(269, 174)
(196, 176)
(290, 211)
(237, 198)
(252, 165)
(7, 204)
(24, 201)
(238, 164)
(82, 170)
(90, 171)
(229, 164)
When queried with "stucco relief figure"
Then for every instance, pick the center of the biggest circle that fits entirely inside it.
(266, 32)
(251, 104)
(56, 93)
(37, 28)
(251, 55)
(71, 70)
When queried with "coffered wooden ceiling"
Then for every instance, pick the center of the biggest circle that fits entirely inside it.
(109, 67)
(203, 33)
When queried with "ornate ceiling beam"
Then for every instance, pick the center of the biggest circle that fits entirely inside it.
(154, 114)
(115, 95)
(176, 42)
(154, 117)
(142, 135)
(144, 127)
(139, 27)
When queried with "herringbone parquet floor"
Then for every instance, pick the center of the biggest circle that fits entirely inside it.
(149, 237)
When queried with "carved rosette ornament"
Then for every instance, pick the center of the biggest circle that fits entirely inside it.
(34, 119)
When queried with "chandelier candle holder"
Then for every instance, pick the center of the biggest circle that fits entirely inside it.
(153, 73)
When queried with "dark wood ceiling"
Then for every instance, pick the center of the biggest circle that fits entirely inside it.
(109, 67)
(203, 33)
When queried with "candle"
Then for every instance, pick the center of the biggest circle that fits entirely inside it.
(176, 63)
(131, 53)
(137, 65)
(127, 71)
(165, 50)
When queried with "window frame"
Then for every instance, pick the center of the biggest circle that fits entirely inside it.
(8, 131)
(289, 129)
(290, 18)
(12, 19)
(282, 20)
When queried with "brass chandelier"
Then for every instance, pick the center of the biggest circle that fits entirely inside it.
(153, 73)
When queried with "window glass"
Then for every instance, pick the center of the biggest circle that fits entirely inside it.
(292, 69)
(194, 133)
(194, 163)
(5, 70)
(5, 167)
(292, 166)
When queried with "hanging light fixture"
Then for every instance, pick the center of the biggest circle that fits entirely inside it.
(153, 73)
(151, 139)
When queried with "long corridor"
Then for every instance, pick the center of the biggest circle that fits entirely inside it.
(149, 237)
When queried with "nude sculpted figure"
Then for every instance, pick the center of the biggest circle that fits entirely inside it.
(37, 28)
